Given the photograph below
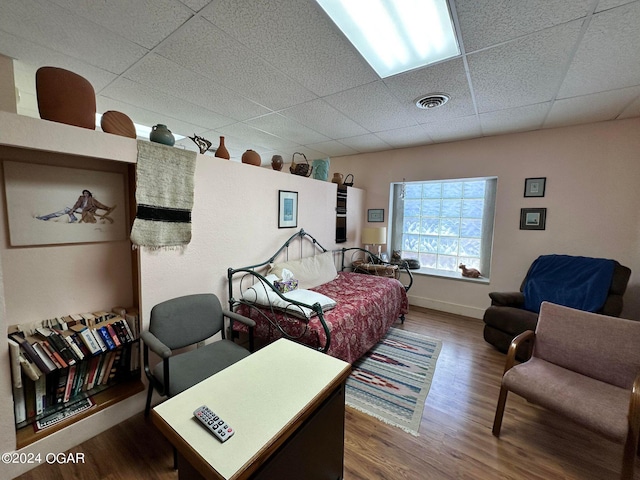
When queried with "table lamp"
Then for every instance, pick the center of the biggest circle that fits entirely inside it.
(374, 236)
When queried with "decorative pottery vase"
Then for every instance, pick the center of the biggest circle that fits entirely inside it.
(321, 169)
(277, 162)
(117, 123)
(222, 151)
(337, 178)
(65, 97)
(251, 157)
(161, 134)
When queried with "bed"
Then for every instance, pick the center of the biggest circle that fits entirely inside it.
(334, 310)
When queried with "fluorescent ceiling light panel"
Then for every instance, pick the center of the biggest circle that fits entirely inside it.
(396, 35)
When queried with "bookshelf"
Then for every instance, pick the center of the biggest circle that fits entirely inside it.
(43, 281)
(61, 366)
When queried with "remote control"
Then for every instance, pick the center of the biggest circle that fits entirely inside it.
(220, 429)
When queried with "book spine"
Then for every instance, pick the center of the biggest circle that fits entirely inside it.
(99, 340)
(89, 340)
(29, 368)
(78, 353)
(19, 405)
(113, 335)
(106, 338)
(41, 392)
(53, 354)
(125, 325)
(69, 385)
(31, 354)
(14, 357)
(50, 366)
(60, 344)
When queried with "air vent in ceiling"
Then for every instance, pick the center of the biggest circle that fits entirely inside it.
(433, 100)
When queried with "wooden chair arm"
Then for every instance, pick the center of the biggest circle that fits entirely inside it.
(513, 348)
(631, 444)
(634, 408)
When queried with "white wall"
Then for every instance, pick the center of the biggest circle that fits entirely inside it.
(592, 200)
(234, 224)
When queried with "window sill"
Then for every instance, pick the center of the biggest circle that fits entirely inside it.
(432, 272)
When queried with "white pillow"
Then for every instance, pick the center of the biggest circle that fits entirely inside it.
(309, 271)
(263, 295)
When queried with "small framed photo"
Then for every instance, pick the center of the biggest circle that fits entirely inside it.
(533, 218)
(375, 215)
(287, 209)
(534, 187)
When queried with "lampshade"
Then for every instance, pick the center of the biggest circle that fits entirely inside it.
(374, 235)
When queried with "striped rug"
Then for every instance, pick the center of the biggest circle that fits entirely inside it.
(392, 380)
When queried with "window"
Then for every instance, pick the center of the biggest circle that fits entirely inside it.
(444, 223)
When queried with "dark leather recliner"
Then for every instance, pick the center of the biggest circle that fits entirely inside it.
(506, 317)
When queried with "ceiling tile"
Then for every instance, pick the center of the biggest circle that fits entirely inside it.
(631, 110)
(145, 22)
(608, 4)
(297, 38)
(230, 63)
(526, 71)
(333, 148)
(323, 118)
(285, 127)
(46, 24)
(457, 129)
(365, 143)
(447, 77)
(372, 106)
(169, 77)
(519, 119)
(248, 137)
(166, 106)
(596, 107)
(279, 76)
(406, 137)
(35, 56)
(196, 5)
(607, 57)
(489, 22)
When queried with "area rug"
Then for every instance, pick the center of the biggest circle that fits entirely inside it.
(392, 380)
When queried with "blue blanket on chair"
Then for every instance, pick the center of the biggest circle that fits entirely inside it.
(578, 282)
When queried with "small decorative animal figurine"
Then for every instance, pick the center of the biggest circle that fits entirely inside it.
(469, 272)
(202, 143)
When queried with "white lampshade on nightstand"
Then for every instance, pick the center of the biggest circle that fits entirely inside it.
(375, 236)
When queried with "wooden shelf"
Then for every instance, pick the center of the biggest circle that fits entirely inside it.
(27, 435)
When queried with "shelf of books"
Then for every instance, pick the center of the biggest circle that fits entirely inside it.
(64, 369)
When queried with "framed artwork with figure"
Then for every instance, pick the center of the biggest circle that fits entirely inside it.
(54, 205)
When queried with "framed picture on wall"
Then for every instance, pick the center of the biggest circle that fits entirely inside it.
(533, 218)
(375, 215)
(53, 205)
(287, 209)
(534, 187)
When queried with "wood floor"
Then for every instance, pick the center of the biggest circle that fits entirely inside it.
(455, 439)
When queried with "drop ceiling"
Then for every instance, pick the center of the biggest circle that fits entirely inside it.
(278, 77)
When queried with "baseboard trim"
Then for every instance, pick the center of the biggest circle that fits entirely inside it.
(447, 307)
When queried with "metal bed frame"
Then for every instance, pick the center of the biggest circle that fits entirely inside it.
(252, 277)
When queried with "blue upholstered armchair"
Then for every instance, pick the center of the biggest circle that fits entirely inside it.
(591, 284)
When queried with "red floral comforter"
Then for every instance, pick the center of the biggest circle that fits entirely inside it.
(367, 306)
